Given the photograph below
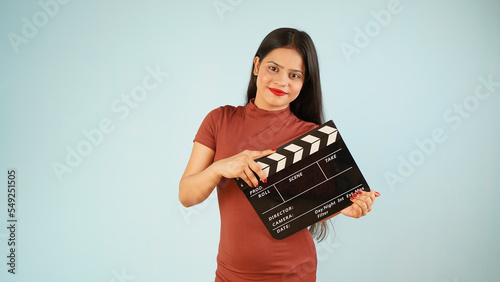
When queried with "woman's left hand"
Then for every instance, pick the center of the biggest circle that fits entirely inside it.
(362, 203)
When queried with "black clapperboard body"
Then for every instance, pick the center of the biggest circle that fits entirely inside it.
(308, 180)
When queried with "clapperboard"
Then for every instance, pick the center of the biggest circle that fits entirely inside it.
(308, 179)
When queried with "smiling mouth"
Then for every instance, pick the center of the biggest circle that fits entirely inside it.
(277, 92)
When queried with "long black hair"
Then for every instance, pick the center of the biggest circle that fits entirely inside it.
(308, 106)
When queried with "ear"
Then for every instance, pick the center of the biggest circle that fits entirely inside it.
(256, 63)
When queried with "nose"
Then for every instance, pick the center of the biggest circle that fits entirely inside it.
(281, 81)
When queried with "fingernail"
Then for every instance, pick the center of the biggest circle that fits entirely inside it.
(377, 193)
(274, 150)
(265, 180)
(359, 192)
(355, 195)
(351, 198)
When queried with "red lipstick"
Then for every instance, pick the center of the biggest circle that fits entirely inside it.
(277, 92)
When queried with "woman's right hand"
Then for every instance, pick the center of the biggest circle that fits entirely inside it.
(202, 174)
(243, 165)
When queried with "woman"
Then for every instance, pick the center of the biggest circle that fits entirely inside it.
(284, 101)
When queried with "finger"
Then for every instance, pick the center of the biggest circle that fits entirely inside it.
(254, 182)
(253, 155)
(362, 206)
(377, 194)
(363, 196)
(368, 204)
(259, 154)
(356, 210)
(370, 194)
(258, 170)
(245, 178)
(365, 207)
(368, 198)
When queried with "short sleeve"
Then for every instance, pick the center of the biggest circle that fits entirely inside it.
(207, 133)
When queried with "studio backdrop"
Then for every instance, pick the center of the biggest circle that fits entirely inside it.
(100, 102)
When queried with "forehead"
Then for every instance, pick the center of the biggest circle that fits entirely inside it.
(286, 57)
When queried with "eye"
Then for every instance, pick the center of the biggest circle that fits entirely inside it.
(273, 68)
(295, 75)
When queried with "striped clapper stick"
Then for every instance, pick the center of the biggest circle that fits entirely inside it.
(308, 179)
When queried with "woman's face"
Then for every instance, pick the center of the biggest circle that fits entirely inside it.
(280, 76)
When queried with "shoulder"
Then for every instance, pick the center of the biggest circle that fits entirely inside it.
(224, 112)
(301, 126)
(218, 118)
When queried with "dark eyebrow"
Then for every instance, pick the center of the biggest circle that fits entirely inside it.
(280, 66)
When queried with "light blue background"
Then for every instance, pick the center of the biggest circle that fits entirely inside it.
(116, 216)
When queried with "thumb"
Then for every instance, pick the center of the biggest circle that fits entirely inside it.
(377, 194)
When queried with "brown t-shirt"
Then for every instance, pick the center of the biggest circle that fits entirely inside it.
(247, 252)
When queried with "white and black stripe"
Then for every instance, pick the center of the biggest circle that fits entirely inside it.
(296, 150)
